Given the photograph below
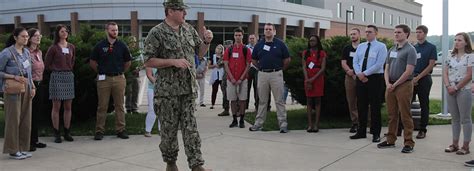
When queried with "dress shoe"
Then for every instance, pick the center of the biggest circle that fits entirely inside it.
(421, 135)
(358, 136)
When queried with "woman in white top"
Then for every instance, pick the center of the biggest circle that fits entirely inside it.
(151, 115)
(457, 79)
(217, 68)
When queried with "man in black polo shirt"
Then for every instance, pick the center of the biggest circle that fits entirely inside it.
(271, 56)
(110, 58)
(426, 60)
(348, 54)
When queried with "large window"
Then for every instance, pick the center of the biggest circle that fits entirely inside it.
(383, 18)
(339, 6)
(363, 14)
(374, 17)
(391, 19)
(352, 13)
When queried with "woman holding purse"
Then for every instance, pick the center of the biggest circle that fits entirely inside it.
(18, 91)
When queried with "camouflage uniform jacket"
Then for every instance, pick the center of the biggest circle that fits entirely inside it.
(165, 43)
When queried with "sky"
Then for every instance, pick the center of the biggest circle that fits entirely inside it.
(460, 16)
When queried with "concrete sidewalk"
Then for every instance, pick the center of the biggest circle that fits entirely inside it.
(238, 149)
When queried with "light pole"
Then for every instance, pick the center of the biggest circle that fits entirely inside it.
(347, 13)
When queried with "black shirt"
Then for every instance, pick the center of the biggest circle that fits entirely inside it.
(110, 57)
(346, 55)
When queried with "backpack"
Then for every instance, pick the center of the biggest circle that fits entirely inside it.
(244, 49)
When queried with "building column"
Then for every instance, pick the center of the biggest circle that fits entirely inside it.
(42, 25)
(200, 22)
(253, 28)
(134, 23)
(300, 29)
(74, 23)
(17, 21)
(316, 29)
(281, 32)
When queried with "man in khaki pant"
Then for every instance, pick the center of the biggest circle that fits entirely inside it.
(110, 59)
(271, 56)
(398, 76)
(350, 81)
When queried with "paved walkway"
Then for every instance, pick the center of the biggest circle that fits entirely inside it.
(238, 149)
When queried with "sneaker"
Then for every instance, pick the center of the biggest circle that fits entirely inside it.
(469, 163)
(224, 113)
(212, 107)
(444, 115)
(241, 124)
(283, 130)
(122, 135)
(202, 105)
(147, 134)
(98, 136)
(407, 149)
(27, 155)
(17, 156)
(233, 124)
(255, 128)
(384, 144)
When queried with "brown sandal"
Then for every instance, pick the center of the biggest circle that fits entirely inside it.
(451, 149)
(462, 151)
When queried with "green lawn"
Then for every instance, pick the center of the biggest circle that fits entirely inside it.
(297, 119)
(135, 125)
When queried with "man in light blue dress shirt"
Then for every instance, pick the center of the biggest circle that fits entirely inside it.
(368, 65)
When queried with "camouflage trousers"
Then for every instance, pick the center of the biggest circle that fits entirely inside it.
(177, 112)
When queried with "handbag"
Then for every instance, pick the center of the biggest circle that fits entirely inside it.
(12, 86)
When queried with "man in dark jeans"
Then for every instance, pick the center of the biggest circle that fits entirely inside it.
(426, 60)
(368, 66)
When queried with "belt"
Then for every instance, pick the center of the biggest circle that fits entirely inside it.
(114, 74)
(270, 70)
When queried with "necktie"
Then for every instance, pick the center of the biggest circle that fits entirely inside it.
(364, 64)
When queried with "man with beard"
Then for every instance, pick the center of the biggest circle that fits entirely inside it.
(350, 81)
(110, 58)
